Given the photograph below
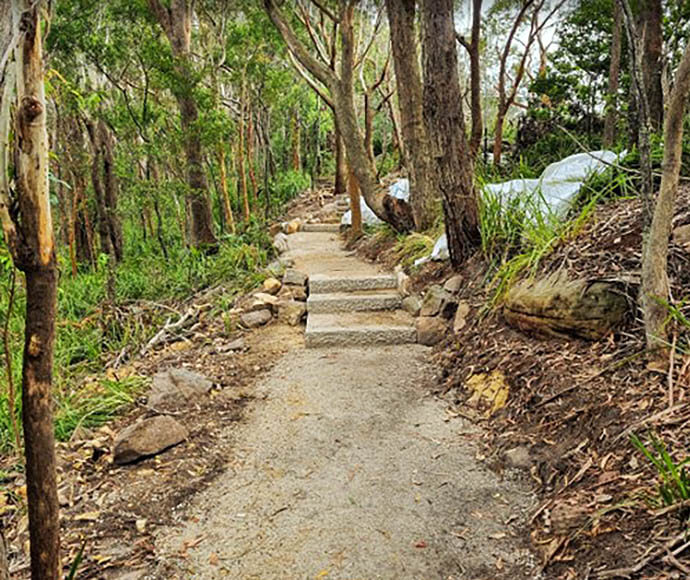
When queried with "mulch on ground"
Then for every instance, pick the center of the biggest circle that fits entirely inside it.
(573, 404)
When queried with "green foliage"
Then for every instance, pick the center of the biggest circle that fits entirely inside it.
(286, 186)
(674, 484)
(413, 246)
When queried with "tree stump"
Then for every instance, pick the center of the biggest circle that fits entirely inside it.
(555, 306)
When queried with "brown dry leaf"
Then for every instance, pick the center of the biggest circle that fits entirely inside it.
(87, 516)
(213, 559)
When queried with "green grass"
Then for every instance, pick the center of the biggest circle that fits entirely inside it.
(87, 334)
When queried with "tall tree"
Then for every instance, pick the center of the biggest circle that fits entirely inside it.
(176, 21)
(401, 19)
(340, 86)
(473, 51)
(655, 286)
(650, 24)
(445, 125)
(614, 73)
(28, 229)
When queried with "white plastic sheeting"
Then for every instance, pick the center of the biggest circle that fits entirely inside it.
(399, 189)
(550, 195)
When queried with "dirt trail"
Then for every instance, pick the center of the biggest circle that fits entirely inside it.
(347, 468)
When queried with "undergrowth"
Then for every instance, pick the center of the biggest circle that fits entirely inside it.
(88, 334)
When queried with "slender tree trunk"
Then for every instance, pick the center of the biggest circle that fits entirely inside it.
(110, 182)
(651, 17)
(355, 206)
(176, 21)
(446, 128)
(498, 135)
(476, 79)
(99, 193)
(227, 206)
(401, 16)
(369, 129)
(614, 73)
(296, 142)
(341, 171)
(34, 254)
(242, 175)
(250, 158)
(655, 286)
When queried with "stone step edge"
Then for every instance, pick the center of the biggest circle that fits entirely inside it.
(360, 336)
(344, 302)
(319, 284)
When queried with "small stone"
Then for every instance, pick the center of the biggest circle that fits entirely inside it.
(518, 457)
(263, 300)
(280, 243)
(141, 525)
(437, 301)
(403, 283)
(294, 277)
(292, 227)
(146, 438)
(681, 236)
(292, 312)
(256, 318)
(271, 286)
(412, 304)
(175, 387)
(298, 293)
(237, 344)
(453, 284)
(430, 330)
(460, 319)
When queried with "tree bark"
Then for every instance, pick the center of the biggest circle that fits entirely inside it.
(655, 286)
(401, 18)
(446, 128)
(110, 192)
(355, 206)
(296, 141)
(227, 206)
(476, 79)
(341, 171)
(34, 253)
(176, 21)
(614, 73)
(651, 17)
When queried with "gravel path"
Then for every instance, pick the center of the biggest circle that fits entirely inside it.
(347, 468)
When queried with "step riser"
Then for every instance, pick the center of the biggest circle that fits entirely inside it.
(360, 337)
(328, 285)
(321, 228)
(319, 305)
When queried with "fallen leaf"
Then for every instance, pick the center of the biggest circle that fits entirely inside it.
(87, 517)
(420, 544)
(213, 559)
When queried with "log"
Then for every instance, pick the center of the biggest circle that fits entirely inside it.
(555, 306)
(4, 566)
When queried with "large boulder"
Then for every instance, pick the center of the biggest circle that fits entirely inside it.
(438, 301)
(146, 438)
(430, 330)
(256, 318)
(175, 387)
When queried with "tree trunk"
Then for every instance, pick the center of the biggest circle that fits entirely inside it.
(4, 565)
(296, 142)
(498, 135)
(476, 79)
(110, 182)
(241, 173)
(250, 158)
(614, 72)
(651, 17)
(446, 128)
(99, 193)
(227, 206)
(176, 21)
(34, 254)
(401, 17)
(655, 286)
(341, 171)
(355, 206)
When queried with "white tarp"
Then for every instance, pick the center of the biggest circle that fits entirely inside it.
(399, 189)
(550, 195)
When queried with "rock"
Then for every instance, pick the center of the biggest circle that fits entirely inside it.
(292, 227)
(681, 236)
(430, 330)
(294, 277)
(271, 286)
(453, 284)
(294, 293)
(403, 283)
(146, 438)
(438, 301)
(237, 344)
(262, 300)
(292, 312)
(460, 319)
(256, 318)
(274, 229)
(280, 243)
(518, 457)
(412, 304)
(174, 387)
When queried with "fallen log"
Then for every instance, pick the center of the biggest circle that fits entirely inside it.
(555, 306)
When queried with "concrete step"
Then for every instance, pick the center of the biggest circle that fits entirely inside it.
(360, 329)
(321, 284)
(350, 302)
(322, 227)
